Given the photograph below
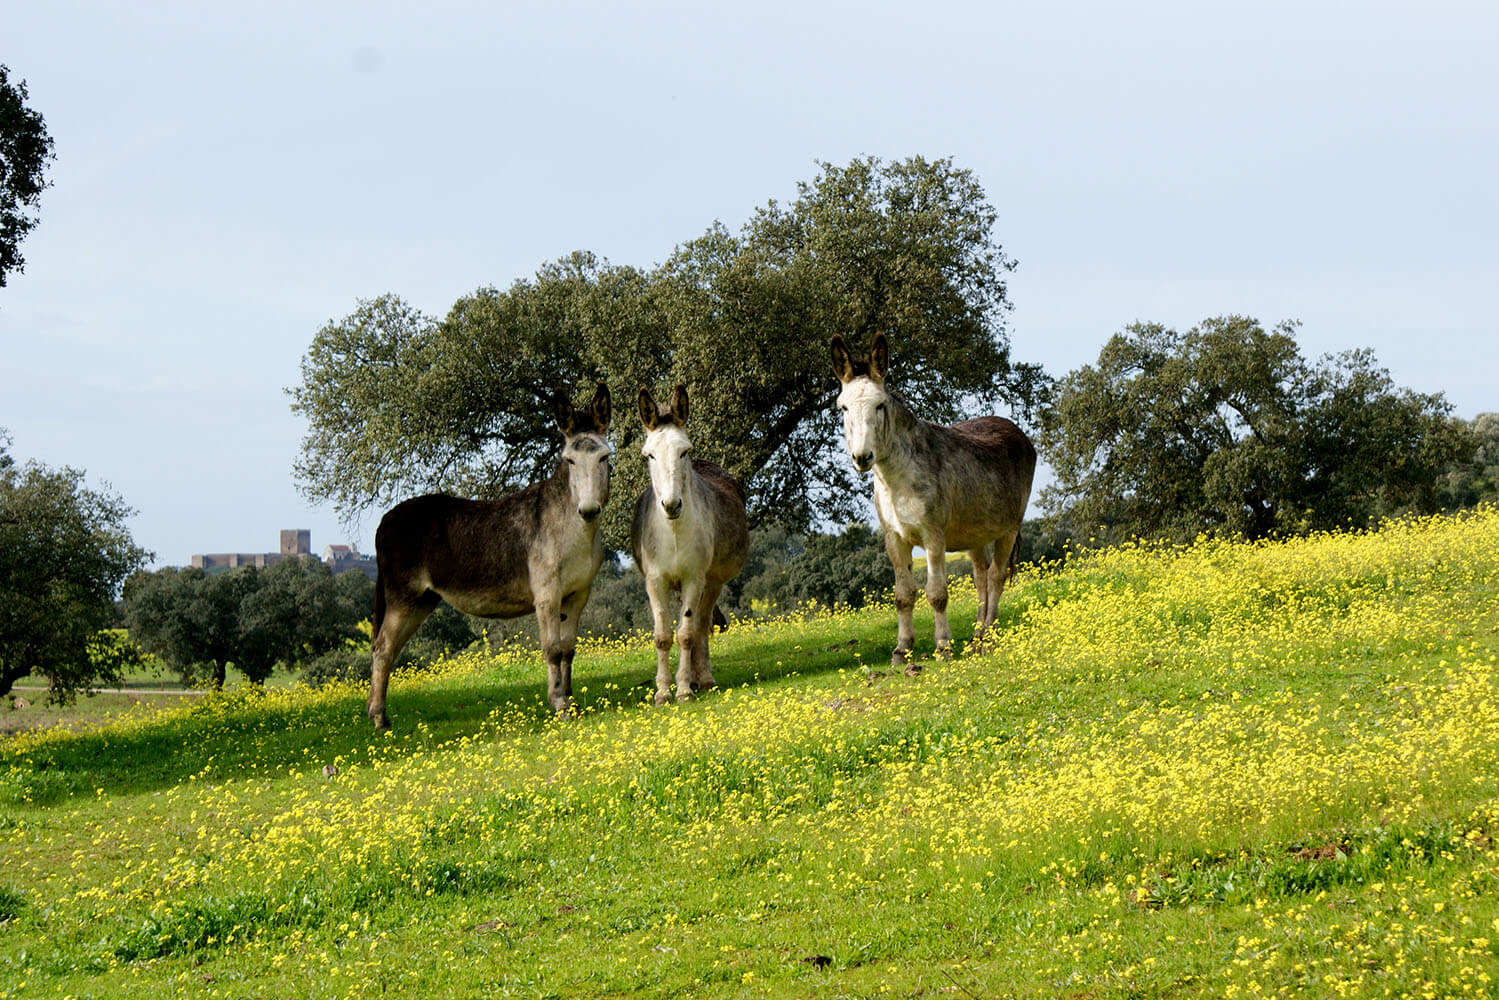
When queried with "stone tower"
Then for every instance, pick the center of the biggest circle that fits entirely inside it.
(296, 541)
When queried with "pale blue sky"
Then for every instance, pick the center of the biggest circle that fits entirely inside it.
(231, 177)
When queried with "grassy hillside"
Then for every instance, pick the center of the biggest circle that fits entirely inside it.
(1228, 770)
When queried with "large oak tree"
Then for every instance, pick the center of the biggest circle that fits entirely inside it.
(398, 402)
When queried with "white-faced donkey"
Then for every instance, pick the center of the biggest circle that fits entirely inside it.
(689, 536)
(534, 550)
(946, 489)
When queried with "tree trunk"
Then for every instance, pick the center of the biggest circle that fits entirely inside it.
(8, 678)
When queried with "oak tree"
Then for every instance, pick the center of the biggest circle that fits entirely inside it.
(1227, 429)
(65, 549)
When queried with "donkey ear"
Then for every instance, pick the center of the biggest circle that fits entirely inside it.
(562, 410)
(679, 405)
(648, 412)
(879, 357)
(843, 365)
(602, 408)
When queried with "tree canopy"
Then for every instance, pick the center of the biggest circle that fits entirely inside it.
(25, 151)
(64, 551)
(1227, 428)
(398, 402)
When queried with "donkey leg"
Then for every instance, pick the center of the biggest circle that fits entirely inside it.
(936, 592)
(549, 625)
(660, 598)
(400, 622)
(689, 636)
(567, 635)
(899, 551)
(982, 561)
(702, 665)
(1004, 548)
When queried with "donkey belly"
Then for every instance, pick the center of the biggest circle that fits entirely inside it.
(509, 601)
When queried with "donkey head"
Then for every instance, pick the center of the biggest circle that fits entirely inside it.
(863, 402)
(667, 450)
(585, 449)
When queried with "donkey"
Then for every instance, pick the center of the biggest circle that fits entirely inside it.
(944, 488)
(689, 535)
(537, 549)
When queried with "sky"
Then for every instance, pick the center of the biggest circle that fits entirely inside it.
(230, 178)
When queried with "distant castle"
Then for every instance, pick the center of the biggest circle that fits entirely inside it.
(295, 543)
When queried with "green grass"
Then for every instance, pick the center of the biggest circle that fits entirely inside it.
(1230, 770)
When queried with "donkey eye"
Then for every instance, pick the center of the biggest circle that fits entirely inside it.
(686, 452)
(879, 408)
(569, 461)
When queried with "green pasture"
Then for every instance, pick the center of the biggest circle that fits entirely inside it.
(1228, 770)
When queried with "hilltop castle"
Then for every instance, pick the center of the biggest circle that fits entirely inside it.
(295, 543)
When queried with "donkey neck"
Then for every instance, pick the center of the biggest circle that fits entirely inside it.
(896, 466)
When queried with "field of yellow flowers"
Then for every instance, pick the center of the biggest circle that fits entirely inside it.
(1223, 770)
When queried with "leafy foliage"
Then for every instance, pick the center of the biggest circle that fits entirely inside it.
(1227, 429)
(25, 151)
(841, 569)
(398, 402)
(199, 623)
(1476, 480)
(64, 551)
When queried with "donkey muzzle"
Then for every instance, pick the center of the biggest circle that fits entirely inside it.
(673, 508)
(589, 513)
(863, 460)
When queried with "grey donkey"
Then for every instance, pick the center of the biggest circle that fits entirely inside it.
(961, 487)
(535, 550)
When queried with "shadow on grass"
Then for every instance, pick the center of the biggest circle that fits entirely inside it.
(254, 740)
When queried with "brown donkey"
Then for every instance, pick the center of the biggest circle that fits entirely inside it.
(689, 535)
(537, 549)
(943, 488)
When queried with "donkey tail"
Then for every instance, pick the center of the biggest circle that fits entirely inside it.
(719, 619)
(379, 606)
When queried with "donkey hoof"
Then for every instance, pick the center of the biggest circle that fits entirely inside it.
(683, 696)
(943, 652)
(900, 657)
(662, 697)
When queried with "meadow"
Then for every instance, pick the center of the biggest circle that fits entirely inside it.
(1220, 770)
